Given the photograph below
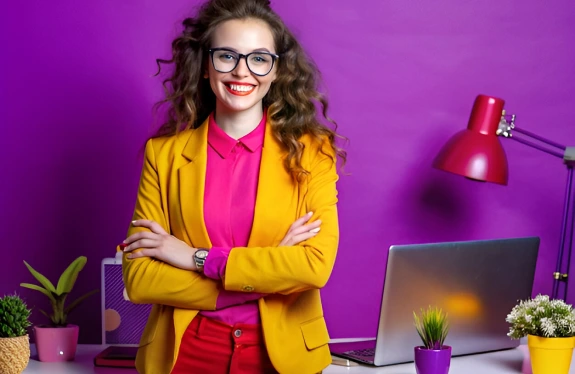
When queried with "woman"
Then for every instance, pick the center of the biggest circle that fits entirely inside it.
(226, 239)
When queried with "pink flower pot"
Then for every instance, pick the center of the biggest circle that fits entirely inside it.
(56, 344)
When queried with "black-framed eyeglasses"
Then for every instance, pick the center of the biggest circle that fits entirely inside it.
(259, 63)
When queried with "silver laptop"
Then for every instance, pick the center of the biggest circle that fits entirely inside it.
(476, 282)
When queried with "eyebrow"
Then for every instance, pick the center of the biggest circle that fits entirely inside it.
(255, 50)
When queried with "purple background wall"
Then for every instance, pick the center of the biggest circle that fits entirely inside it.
(76, 89)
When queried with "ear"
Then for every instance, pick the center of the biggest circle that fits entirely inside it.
(206, 75)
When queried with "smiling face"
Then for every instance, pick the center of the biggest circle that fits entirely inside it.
(240, 90)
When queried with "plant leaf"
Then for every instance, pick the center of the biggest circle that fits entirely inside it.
(432, 327)
(40, 278)
(78, 301)
(60, 309)
(46, 314)
(69, 276)
(38, 288)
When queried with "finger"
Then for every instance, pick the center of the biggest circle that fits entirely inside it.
(300, 221)
(147, 252)
(140, 235)
(142, 243)
(305, 228)
(152, 225)
(302, 237)
(298, 238)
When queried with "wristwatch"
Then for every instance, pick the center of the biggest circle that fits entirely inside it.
(200, 258)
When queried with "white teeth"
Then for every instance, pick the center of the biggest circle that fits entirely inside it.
(241, 88)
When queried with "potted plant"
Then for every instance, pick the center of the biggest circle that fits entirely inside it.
(58, 340)
(550, 329)
(14, 343)
(434, 357)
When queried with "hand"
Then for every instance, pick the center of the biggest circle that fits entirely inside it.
(299, 231)
(157, 243)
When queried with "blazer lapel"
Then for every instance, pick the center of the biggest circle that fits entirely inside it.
(275, 199)
(192, 177)
(275, 195)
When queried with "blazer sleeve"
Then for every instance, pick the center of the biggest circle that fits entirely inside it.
(149, 281)
(290, 269)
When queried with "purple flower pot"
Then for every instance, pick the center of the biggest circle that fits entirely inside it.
(432, 361)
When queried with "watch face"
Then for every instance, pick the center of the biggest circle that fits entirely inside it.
(201, 254)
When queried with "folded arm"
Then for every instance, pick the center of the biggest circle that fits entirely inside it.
(151, 281)
(293, 268)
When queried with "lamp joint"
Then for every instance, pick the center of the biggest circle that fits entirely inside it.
(569, 156)
(559, 276)
(506, 124)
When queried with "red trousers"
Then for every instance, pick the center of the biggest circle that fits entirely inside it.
(212, 347)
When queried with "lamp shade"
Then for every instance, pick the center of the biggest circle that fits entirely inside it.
(476, 152)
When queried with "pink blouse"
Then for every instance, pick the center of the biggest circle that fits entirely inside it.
(230, 194)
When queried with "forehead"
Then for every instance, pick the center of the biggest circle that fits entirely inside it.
(243, 35)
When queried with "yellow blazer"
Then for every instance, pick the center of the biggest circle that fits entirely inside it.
(171, 192)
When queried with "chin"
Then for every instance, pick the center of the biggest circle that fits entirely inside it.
(239, 105)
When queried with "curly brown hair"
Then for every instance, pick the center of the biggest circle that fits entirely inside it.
(291, 100)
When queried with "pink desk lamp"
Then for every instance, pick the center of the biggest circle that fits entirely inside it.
(476, 153)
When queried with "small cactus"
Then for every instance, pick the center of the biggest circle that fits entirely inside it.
(14, 314)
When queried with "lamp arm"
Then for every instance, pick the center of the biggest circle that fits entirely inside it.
(507, 125)
(540, 138)
(536, 146)
(560, 276)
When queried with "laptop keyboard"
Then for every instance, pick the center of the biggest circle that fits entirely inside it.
(369, 352)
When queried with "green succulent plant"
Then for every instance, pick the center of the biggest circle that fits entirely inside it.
(14, 314)
(432, 326)
(58, 294)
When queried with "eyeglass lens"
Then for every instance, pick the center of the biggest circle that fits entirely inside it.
(259, 63)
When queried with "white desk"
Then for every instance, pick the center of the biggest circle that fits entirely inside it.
(502, 362)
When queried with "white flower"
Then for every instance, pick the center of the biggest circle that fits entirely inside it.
(548, 327)
(542, 317)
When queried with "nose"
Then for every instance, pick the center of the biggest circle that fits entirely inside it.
(242, 69)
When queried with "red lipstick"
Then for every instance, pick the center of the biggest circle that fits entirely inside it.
(237, 88)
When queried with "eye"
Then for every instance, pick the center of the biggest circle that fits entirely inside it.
(260, 59)
(227, 56)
